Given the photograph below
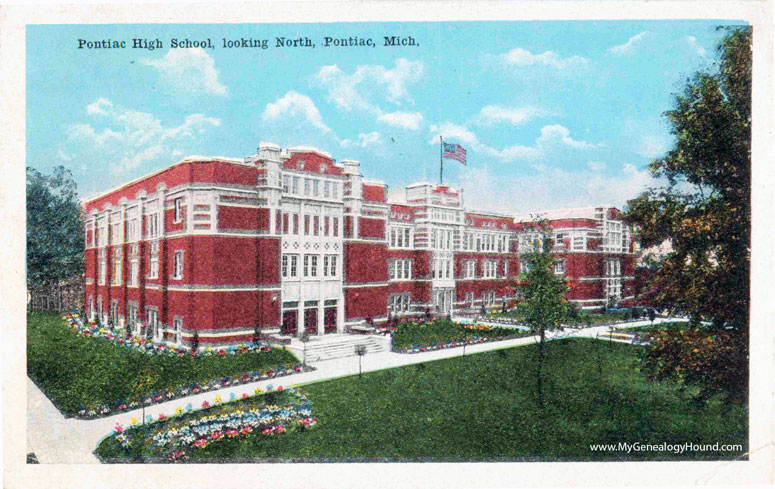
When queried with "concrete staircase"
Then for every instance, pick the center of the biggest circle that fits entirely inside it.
(338, 346)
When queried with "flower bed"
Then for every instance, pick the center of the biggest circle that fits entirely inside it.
(174, 438)
(118, 337)
(416, 337)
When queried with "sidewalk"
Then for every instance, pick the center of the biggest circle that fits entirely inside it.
(55, 439)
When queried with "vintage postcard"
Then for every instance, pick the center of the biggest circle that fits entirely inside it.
(446, 244)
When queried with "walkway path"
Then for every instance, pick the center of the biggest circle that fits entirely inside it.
(56, 439)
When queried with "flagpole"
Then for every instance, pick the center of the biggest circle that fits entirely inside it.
(441, 160)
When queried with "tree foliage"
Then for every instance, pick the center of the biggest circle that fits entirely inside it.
(705, 214)
(704, 211)
(544, 305)
(54, 228)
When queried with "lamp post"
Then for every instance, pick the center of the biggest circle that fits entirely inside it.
(360, 350)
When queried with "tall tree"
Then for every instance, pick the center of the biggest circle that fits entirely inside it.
(704, 212)
(54, 228)
(544, 305)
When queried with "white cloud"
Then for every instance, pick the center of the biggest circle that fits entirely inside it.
(548, 188)
(405, 120)
(552, 137)
(596, 165)
(492, 114)
(630, 46)
(294, 104)
(557, 135)
(651, 146)
(126, 138)
(188, 70)
(101, 106)
(370, 139)
(523, 57)
(62, 156)
(694, 45)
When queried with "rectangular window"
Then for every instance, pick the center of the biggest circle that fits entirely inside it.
(177, 265)
(336, 227)
(306, 265)
(326, 189)
(313, 267)
(325, 266)
(306, 224)
(117, 271)
(135, 272)
(295, 186)
(326, 223)
(578, 243)
(294, 266)
(285, 223)
(334, 190)
(316, 225)
(505, 268)
(178, 323)
(103, 272)
(296, 224)
(178, 210)
(559, 267)
(284, 266)
(153, 267)
(307, 187)
(286, 183)
(332, 263)
(316, 188)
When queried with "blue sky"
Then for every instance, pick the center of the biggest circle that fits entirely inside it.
(552, 114)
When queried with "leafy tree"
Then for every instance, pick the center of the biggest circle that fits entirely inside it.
(704, 212)
(54, 228)
(544, 305)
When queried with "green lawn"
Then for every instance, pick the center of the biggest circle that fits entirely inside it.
(483, 407)
(76, 371)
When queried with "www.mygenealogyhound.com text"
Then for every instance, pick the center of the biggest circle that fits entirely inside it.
(623, 446)
(248, 43)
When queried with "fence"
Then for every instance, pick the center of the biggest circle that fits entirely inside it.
(60, 297)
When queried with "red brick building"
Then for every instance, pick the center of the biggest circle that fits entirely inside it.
(287, 241)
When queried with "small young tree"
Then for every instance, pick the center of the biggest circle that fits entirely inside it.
(360, 350)
(545, 306)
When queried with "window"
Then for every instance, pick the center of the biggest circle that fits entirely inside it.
(286, 184)
(488, 297)
(133, 229)
(295, 186)
(178, 210)
(306, 265)
(329, 266)
(524, 265)
(115, 233)
(559, 267)
(470, 298)
(332, 265)
(113, 318)
(132, 324)
(326, 189)
(296, 224)
(469, 268)
(579, 244)
(153, 229)
(307, 187)
(399, 302)
(91, 307)
(400, 237)
(326, 223)
(134, 273)
(505, 268)
(306, 224)
(178, 324)
(103, 272)
(442, 268)
(334, 190)
(153, 324)
(316, 225)
(294, 271)
(490, 268)
(313, 267)
(316, 188)
(285, 223)
(284, 266)
(336, 227)
(153, 271)
(117, 271)
(177, 265)
(399, 269)
(99, 308)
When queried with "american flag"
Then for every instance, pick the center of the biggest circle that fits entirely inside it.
(454, 151)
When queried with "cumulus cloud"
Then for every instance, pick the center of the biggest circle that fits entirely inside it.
(692, 41)
(364, 141)
(126, 138)
(516, 116)
(629, 47)
(552, 137)
(294, 104)
(405, 120)
(550, 188)
(62, 156)
(523, 57)
(188, 70)
(368, 87)
(596, 165)
(651, 146)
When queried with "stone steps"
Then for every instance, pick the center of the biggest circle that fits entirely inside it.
(329, 349)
